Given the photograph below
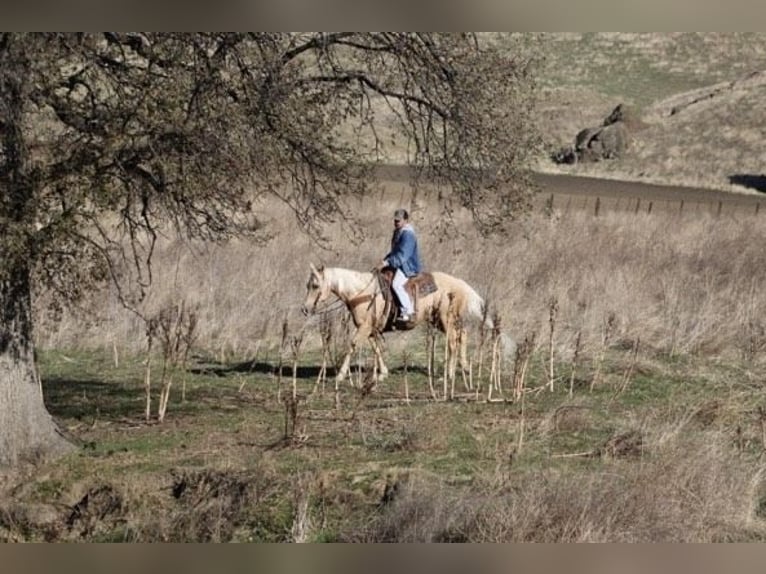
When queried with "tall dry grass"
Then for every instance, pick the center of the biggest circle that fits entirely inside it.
(684, 488)
(682, 284)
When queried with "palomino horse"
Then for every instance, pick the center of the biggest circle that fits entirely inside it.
(448, 308)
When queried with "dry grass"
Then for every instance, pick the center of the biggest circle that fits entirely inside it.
(681, 284)
(681, 490)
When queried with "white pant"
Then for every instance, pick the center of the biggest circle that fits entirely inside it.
(397, 284)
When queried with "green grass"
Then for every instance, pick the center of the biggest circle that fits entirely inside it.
(343, 459)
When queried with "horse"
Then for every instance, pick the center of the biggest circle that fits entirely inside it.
(449, 308)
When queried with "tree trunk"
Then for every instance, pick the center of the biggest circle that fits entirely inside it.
(27, 431)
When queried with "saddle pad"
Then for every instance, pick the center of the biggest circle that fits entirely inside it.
(423, 281)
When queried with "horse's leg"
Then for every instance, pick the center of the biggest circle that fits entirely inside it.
(456, 337)
(382, 369)
(463, 343)
(447, 324)
(460, 344)
(452, 360)
(443, 320)
(362, 333)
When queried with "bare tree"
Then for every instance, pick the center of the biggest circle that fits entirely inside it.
(109, 140)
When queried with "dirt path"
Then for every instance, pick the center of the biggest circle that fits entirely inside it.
(575, 192)
(584, 192)
(576, 185)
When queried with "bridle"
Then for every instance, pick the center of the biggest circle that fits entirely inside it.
(329, 308)
(326, 309)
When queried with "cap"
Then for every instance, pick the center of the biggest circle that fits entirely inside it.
(400, 214)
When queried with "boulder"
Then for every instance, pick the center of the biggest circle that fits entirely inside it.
(607, 141)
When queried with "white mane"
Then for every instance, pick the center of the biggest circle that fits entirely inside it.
(347, 281)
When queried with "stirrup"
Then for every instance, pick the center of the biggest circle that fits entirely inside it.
(404, 324)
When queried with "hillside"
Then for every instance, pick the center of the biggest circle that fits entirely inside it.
(700, 96)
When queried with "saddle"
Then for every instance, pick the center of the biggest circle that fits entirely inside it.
(417, 286)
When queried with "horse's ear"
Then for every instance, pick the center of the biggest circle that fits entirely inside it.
(316, 271)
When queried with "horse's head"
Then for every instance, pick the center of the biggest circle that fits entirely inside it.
(317, 290)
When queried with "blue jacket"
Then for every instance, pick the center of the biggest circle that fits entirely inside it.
(404, 253)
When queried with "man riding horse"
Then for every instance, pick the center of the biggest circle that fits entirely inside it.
(404, 259)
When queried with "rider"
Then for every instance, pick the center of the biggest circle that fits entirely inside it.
(404, 257)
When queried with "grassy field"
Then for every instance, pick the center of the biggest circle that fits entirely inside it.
(657, 449)
(707, 144)
(642, 411)
(654, 430)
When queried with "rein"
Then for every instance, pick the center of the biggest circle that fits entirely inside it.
(329, 308)
(360, 299)
(357, 300)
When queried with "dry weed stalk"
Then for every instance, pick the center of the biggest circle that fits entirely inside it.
(762, 422)
(405, 367)
(295, 347)
(431, 357)
(326, 327)
(291, 418)
(280, 362)
(446, 355)
(494, 361)
(151, 331)
(360, 371)
(460, 341)
(477, 387)
(365, 390)
(756, 335)
(482, 339)
(629, 371)
(606, 338)
(553, 309)
(303, 523)
(495, 371)
(253, 364)
(523, 354)
(575, 358)
(175, 326)
(522, 420)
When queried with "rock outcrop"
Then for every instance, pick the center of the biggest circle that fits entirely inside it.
(607, 141)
